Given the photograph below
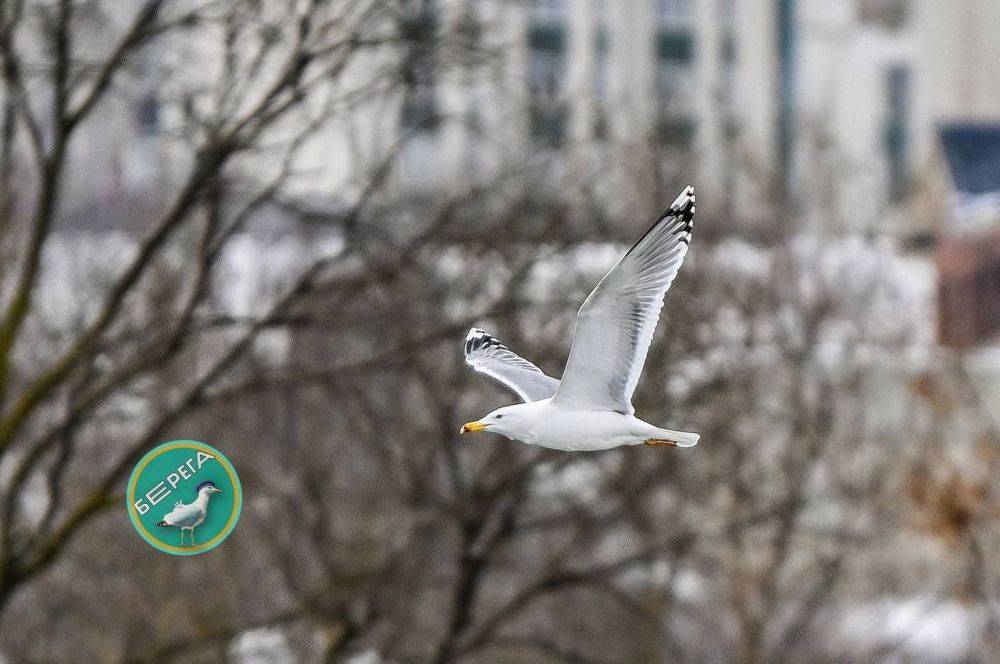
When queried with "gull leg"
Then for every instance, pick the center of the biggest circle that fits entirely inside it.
(192, 535)
(660, 442)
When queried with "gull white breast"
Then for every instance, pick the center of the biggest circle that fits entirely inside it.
(591, 407)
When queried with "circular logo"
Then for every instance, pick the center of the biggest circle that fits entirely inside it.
(184, 497)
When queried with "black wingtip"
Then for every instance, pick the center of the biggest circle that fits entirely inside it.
(681, 209)
(683, 205)
(163, 524)
(479, 338)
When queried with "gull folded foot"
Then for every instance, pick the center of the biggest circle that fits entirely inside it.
(660, 442)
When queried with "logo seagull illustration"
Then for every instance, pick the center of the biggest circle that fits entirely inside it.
(191, 515)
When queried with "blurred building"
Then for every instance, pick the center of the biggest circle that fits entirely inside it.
(752, 96)
(969, 240)
(795, 93)
(830, 106)
(963, 91)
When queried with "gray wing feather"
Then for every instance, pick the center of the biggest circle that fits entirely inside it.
(485, 354)
(615, 325)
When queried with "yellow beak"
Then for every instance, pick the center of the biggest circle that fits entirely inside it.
(472, 427)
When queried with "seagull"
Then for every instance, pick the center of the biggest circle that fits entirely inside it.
(591, 407)
(189, 516)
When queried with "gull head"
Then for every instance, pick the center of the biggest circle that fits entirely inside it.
(207, 488)
(507, 421)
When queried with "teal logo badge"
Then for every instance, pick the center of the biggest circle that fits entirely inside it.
(184, 497)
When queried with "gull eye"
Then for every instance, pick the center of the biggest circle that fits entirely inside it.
(499, 417)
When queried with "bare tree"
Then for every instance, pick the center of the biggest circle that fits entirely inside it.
(833, 472)
(270, 82)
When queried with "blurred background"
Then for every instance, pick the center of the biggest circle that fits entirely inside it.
(268, 224)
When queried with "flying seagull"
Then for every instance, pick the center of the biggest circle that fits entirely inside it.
(591, 407)
(188, 517)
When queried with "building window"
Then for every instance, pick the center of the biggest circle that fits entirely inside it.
(418, 29)
(727, 35)
(726, 11)
(787, 47)
(602, 69)
(896, 132)
(674, 76)
(727, 49)
(547, 70)
(148, 115)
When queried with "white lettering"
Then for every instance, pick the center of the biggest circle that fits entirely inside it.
(157, 493)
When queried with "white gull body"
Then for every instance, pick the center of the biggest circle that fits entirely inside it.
(591, 407)
(548, 424)
(188, 516)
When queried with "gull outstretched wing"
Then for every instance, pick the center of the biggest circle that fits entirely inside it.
(485, 354)
(616, 322)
